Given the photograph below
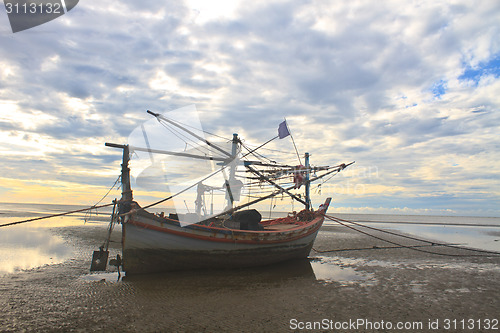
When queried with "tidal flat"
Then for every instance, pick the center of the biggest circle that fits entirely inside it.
(350, 282)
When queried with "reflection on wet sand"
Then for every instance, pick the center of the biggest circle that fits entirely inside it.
(330, 269)
(322, 269)
(216, 278)
(24, 247)
(39, 243)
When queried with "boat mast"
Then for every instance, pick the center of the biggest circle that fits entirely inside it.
(308, 183)
(125, 177)
(126, 188)
(232, 171)
(234, 152)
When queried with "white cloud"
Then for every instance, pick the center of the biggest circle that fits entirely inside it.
(207, 11)
(355, 80)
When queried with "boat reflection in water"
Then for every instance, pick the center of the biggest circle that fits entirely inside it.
(318, 269)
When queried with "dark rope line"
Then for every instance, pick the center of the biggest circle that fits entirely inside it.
(408, 246)
(55, 215)
(178, 193)
(111, 188)
(184, 138)
(328, 179)
(202, 139)
(275, 150)
(88, 214)
(335, 219)
(260, 157)
(197, 129)
(410, 237)
(434, 223)
(382, 239)
(373, 248)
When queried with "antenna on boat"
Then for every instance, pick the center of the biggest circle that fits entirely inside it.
(293, 141)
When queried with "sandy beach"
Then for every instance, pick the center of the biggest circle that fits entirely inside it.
(376, 289)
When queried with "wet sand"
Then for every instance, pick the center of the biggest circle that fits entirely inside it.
(330, 290)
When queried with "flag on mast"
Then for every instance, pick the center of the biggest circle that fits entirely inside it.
(283, 131)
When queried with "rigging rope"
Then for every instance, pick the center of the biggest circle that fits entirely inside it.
(180, 192)
(184, 138)
(199, 130)
(260, 157)
(159, 116)
(88, 214)
(270, 149)
(110, 189)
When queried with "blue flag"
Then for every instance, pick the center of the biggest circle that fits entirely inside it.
(283, 130)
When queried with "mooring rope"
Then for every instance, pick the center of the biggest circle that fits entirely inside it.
(55, 215)
(372, 248)
(398, 245)
(89, 209)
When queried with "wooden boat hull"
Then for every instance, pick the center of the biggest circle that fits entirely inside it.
(154, 244)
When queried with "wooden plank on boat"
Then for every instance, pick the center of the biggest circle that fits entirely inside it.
(278, 227)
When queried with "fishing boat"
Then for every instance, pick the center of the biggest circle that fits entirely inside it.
(237, 236)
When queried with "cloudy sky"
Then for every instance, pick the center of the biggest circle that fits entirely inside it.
(407, 89)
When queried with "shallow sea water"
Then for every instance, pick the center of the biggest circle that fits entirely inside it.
(38, 243)
(34, 244)
(475, 232)
(24, 247)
